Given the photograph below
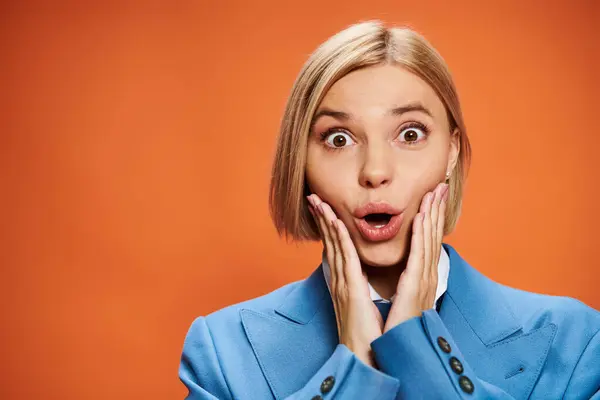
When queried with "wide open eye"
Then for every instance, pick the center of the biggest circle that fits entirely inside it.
(413, 134)
(338, 140)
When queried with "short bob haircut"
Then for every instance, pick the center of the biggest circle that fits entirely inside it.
(358, 46)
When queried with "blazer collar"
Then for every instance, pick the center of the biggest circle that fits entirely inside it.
(477, 297)
(305, 300)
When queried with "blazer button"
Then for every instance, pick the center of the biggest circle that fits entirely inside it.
(327, 384)
(317, 397)
(456, 365)
(466, 385)
(444, 345)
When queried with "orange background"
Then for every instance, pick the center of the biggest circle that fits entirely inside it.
(136, 149)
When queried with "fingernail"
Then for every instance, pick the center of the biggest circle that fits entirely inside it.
(445, 196)
(310, 200)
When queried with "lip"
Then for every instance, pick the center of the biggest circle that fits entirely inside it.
(372, 234)
(376, 208)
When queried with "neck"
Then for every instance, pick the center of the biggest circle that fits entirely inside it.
(384, 279)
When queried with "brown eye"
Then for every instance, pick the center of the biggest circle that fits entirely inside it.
(412, 135)
(339, 140)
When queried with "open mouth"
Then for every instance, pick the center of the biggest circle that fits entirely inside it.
(378, 220)
(377, 227)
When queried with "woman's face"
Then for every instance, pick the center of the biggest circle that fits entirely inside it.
(380, 141)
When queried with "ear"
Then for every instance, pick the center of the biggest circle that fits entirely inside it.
(454, 150)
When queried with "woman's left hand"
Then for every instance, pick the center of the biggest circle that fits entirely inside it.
(417, 285)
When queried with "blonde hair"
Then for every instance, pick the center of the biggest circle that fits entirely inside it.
(360, 45)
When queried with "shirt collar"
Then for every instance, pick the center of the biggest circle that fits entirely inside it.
(443, 272)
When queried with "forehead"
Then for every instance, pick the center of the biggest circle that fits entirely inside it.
(375, 90)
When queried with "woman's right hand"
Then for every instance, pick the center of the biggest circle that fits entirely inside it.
(358, 320)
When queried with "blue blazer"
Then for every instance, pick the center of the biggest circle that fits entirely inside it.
(487, 341)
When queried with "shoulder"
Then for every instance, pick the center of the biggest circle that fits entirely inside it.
(216, 347)
(529, 309)
(575, 324)
(536, 308)
(227, 318)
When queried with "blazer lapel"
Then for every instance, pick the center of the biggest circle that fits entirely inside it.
(488, 333)
(294, 343)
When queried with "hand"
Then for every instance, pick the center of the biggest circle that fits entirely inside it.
(416, 288)
(359, 322)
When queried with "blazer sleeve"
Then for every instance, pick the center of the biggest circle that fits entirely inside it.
(199, 369)
(352, 379)
(585, 381)
(426, 348)
(342, 376)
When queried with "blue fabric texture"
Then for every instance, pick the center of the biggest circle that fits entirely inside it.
(384, 309)
(486, 341)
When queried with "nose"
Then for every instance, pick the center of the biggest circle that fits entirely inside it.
(377, 168)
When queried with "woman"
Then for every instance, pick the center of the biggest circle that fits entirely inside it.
(370, 160)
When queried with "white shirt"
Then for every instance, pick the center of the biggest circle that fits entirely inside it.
(443, 272)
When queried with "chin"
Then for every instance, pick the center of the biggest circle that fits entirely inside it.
(382, 254)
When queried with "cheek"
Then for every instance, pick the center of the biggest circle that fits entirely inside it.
(428, 177)
(330, 176)
(421, 181)
(429, 167)
(332, 185)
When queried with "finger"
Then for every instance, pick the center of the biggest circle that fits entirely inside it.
(414, 265)
(442, 216)
(435, 212)
(354, 272)
(340, 282)
(330, 219)
(314, 213)
(317, 218)
(327, 240)
(435, 202)
(339, 248)
(328, 237)
(336, 263)
(410, 279)
(439, 224)
(427, 235)
(313, 200)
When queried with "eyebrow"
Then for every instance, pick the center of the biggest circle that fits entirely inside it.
(340, 115)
